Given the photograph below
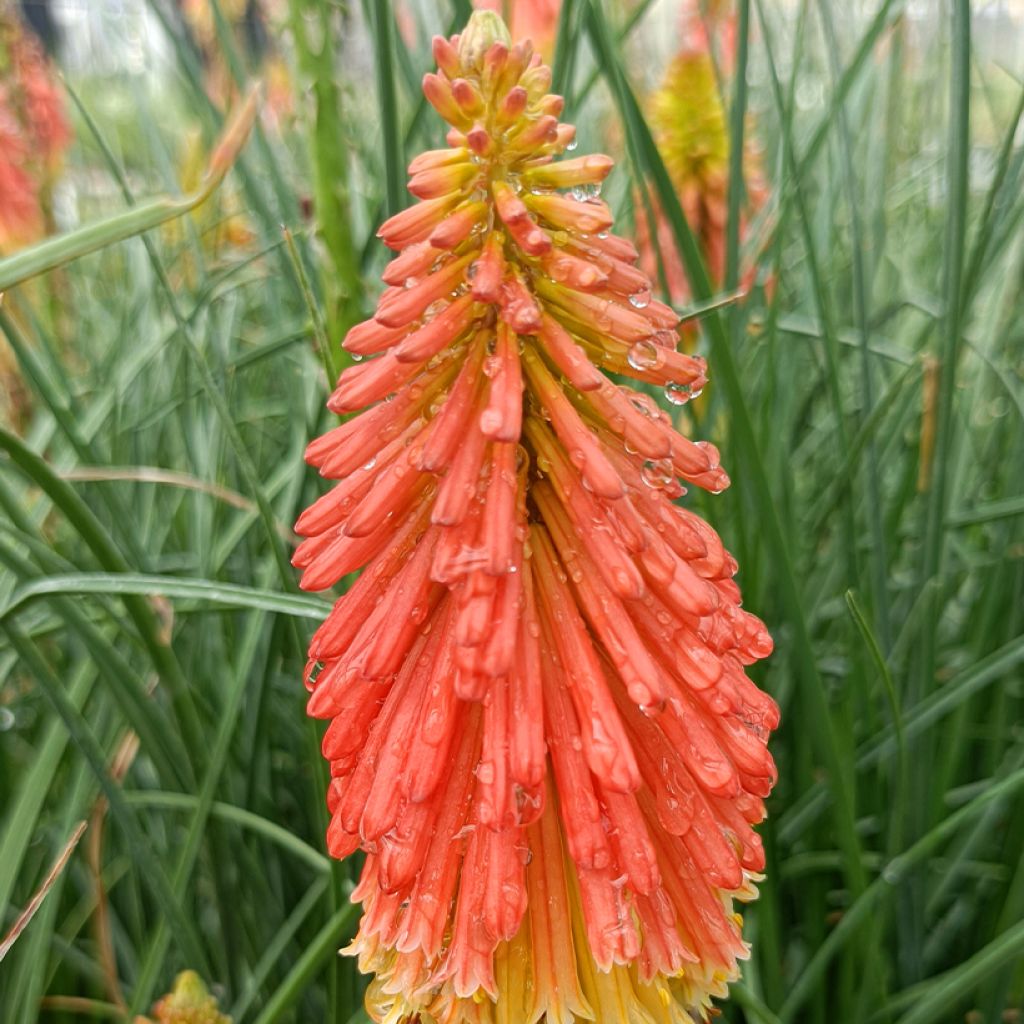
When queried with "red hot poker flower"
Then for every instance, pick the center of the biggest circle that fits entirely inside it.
(541, 731)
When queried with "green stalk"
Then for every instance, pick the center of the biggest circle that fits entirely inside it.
(921, 681)
(331, 176)
(862, 315)
(390, 126)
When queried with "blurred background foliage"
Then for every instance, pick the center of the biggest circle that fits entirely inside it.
(852, 170)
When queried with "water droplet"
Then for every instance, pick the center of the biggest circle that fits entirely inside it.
(369, 465)
(411, 282)
(571, 145)
(657, 474)
(640, 299)
(356, 357)
(578, 457)
(677, 394)
(602, 235)
(643, 355)
(892, 874)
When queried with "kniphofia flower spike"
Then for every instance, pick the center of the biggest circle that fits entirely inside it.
(541, 731)
(688, 121)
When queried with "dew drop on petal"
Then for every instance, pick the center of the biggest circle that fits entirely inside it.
(643, 355)
(677, 394)
(657, 474)
(640, 299)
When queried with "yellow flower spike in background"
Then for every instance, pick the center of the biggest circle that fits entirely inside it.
(542, 733)
(690, 128)
(189, 1002)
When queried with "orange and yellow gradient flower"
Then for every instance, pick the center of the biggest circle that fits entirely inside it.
(541, 729)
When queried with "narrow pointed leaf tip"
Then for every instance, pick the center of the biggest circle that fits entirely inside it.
(541, 731)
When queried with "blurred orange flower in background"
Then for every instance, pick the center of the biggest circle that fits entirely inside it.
(541, 729)
(34, 132)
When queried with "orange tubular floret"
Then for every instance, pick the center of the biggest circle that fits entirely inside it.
(540, 729)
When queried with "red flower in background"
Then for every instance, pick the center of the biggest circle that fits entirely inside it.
(34, 132)
(541, 729)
